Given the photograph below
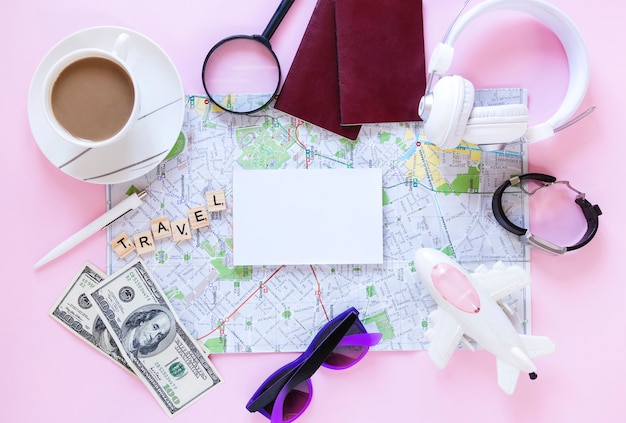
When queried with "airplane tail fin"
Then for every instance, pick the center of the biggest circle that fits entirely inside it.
(537, 345)
(507, 376)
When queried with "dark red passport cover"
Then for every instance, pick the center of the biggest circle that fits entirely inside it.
(382, 69)
(311, 88)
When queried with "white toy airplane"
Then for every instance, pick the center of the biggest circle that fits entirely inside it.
(468, 305)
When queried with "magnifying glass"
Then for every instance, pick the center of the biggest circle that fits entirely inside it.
(241, 74)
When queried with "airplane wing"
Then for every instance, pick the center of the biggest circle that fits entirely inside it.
(507, 376)
(537, 345)
(501, 280)
(444, 338)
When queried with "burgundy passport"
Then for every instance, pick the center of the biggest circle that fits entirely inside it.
(311, 88)
(382, 70)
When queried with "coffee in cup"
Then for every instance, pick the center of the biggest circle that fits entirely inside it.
(91, 98)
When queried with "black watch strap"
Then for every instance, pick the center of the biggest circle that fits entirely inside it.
(591, 213)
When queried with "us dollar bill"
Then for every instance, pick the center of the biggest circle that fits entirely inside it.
(75, 311)
(155, 344)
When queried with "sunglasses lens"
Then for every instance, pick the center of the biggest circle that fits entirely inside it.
(344, 356)
(296, 401)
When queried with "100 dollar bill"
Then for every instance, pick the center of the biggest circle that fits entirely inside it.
(155, 344)
(75, 310)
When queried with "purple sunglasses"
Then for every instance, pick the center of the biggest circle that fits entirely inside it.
(340, 344)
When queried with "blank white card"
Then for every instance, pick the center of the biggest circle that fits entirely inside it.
(310, 216)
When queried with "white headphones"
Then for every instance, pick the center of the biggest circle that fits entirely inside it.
(448, 109)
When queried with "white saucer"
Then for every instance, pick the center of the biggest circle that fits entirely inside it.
(152, 137)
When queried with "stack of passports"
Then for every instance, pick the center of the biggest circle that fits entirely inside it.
(359, 62)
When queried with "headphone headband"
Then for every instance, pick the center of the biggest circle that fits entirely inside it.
(565, 30)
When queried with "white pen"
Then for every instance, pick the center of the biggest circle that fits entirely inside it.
(119, 210)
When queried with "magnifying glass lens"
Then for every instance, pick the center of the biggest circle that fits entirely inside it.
(241, 75)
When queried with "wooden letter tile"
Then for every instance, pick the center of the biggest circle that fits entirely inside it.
(216, 201)
(198, 217)
(161, 227)
(144, 242)
(122, 245)
(181, 230)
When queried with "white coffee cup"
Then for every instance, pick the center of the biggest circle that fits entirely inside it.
(91, 96)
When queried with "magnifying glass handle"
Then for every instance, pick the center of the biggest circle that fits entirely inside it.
(280, 13)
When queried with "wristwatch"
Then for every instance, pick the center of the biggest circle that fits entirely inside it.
(591, 212)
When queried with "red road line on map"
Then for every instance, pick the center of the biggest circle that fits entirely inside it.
(243, 303)
(297, 138)
(319, 290)
(319, 296)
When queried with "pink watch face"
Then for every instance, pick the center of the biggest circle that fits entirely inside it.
(455, 288)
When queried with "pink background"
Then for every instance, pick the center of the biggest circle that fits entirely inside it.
(578, 299)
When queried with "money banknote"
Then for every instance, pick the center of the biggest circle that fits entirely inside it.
(74, 310)
(155, 344)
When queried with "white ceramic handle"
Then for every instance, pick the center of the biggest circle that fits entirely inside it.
(120, 49)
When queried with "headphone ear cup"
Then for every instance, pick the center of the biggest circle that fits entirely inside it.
(452, 101)
(496, 124)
